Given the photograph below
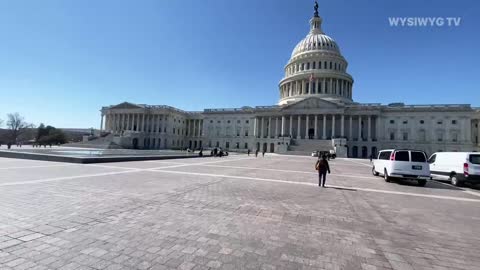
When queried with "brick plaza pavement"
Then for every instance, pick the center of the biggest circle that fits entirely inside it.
(230, 213)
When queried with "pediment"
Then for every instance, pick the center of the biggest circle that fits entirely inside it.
(126, 105)
(311, 103)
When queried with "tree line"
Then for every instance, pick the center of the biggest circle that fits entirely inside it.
(17, 127)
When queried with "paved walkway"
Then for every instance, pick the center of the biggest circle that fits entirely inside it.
(237, 212)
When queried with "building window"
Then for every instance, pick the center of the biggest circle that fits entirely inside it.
(246, 121)
(330, 65)
(238, 121)
(439, 122)
(313, 65)
(246, 133)
(211, 121)
(227, 145)
(303, 66)
(308, 65)
(454, 122)
(237, 145)
(405, 122)
(218, 122)
(422, 122)
(405, 136)
(392, 121)
(454, 137)
(246, 145)
(218, 144)
(228, 122)
(440, 137)
(392, 136)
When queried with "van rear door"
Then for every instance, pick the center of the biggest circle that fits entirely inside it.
(410, 163)
(401, 164)
(474, 166)
(419, 163)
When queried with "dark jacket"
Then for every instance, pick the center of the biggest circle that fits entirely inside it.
(323, 166)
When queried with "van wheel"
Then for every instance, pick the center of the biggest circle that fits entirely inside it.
(385, 176)
(422, 183)
(454, 180)
(375, 173)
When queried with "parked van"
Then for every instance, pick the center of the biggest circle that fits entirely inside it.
(456, 167)
(404, 164)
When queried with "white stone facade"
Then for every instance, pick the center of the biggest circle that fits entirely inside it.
(315, 107)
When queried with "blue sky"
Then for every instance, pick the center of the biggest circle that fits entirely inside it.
(61, 61)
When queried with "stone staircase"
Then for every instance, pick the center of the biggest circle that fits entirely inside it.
(306, 147)
(102, 142)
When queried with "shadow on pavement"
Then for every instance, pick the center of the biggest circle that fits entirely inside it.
(341, 188)
(430, 184)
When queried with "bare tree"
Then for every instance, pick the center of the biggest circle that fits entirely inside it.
(16, 125)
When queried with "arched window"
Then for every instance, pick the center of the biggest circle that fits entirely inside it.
(313, 65)
(308, 65)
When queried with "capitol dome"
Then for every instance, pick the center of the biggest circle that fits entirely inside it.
(315, 42)
(316, 68)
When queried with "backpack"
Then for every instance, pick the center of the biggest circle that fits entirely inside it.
(320, 165)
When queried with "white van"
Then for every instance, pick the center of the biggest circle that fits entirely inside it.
(456, 167)
(405, 164)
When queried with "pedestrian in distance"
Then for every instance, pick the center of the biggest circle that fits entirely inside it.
(263, 153)
(322, 167)
(256, 153)
(248, 152)
(371, 158)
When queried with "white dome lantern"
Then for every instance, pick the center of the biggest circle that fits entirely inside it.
(316, 68)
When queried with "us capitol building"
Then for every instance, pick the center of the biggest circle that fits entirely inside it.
(315, 112)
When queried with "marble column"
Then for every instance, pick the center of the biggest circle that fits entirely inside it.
(306, 127)
(269, 127)
(350, 131)
(101, 123)
(333, 126)
(194, 132)
(143, 122)
(315, 127)
(255, 127)
(359, 128)
(277, 127)
(114, 123)
(324, 132)
(283, 126)
(478, 132)
(369, 131)
(298, 126)
(342, 127)
(262, 127)
(291, 126)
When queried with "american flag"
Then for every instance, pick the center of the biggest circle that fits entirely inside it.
(311, 77)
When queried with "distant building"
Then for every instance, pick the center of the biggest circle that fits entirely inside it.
(315, 112)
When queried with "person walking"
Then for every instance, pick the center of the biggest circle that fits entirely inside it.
(263, 153)
(248, 152)
(322, 167)
(256, 153)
